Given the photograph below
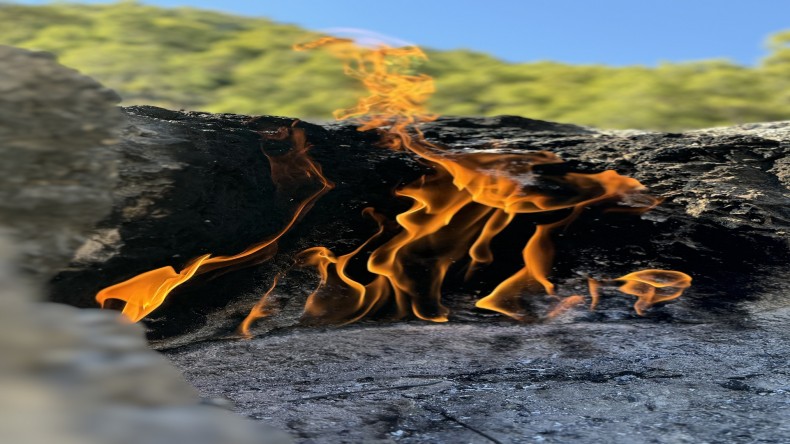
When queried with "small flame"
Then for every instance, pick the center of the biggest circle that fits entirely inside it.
(261, 309)
(595, 293)
(653, 286)
(565, 305)
(649, 286)
(144, 293)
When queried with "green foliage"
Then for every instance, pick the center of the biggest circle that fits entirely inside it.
(203, 60)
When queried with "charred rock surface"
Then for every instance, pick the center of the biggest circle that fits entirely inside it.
(193, 183)
(196, 183)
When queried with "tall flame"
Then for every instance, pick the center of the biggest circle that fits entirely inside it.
(455, 213)
(142, 294)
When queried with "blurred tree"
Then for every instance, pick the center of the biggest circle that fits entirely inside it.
(203, 60)
(776, 70)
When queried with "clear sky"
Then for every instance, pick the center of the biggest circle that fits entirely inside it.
(615, 32)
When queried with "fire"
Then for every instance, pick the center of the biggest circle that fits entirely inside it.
(649, 286)
(397, 96)
(142, 294)
(565, 304)
(455, 213)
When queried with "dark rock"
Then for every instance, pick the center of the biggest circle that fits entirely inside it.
(195, 183)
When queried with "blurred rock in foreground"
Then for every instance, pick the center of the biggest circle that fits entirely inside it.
(73, 375)
(57, 173)
(69, 375)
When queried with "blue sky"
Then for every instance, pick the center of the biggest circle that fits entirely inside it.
(615, 32)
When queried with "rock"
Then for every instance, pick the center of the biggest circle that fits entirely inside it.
(708, 367)
(195, 183)
(56, 127)
(730, 177)
(623, 382)
(70, 375)
(82, 376)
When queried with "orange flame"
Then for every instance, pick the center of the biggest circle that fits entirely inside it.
(595, 294)
(455, 213)
(144, 293)
(649, 286)
(653, 286)
(396, 97)
(260, 310)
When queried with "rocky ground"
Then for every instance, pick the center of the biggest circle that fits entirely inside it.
(575, 382)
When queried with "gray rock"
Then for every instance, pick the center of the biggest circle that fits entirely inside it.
(83, 376)
(565, 382)
(57, 172)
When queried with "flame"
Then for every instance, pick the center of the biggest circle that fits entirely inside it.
(456, 212)
(260, 310)
(649, 286)
(455, 215)
(144, 293)
(397, 96)
(595, 294)
(653, 286)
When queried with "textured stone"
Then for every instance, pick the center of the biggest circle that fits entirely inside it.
(57, 171)
(625, 382)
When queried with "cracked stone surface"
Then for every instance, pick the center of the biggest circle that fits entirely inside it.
(626, 382)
